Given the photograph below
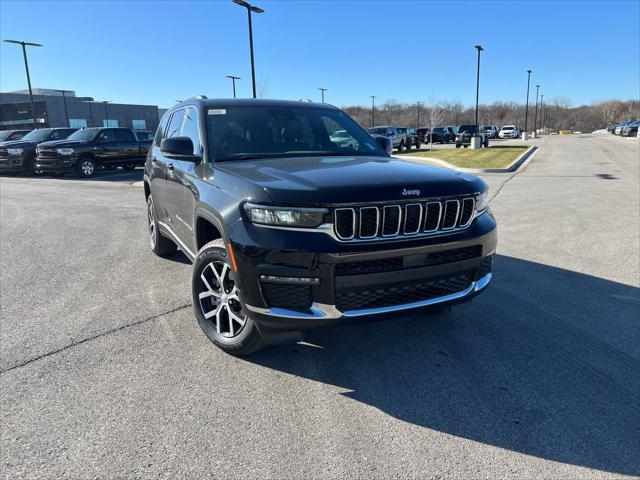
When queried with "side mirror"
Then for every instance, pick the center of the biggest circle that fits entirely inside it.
(180, 148)
(385, 143)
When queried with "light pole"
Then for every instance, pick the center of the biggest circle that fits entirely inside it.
(373, 110)
(64, 99)
(418, 126)
(542, 112)
(250, 8)
(535, 117)
(479, 48)
(88, 100)
(233, 80)
(26, 67)
(322, 90)
(526, 108)
(106, 115)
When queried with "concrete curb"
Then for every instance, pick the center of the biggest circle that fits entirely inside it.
(515, 165)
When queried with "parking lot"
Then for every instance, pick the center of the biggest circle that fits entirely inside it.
(105, 373)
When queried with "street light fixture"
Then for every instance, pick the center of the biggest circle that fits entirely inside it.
(373, 110)
(250, 8)
(322, 90)
(480, 49)
(526, 108)
(535, 117)
(26, 67)
(233, 80)
(542, 119)
(64, 99)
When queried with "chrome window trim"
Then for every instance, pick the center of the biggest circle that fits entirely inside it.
(384, 210)
(324, 311)
(404, 228)
(335, 223)
(439, 204)
(360, 223)
(455, 220)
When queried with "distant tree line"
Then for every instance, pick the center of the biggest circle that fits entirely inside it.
(558, 113)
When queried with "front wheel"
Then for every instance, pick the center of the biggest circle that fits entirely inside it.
(85, 168)
(217, 304)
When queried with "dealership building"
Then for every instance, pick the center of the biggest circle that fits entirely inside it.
(62, 108)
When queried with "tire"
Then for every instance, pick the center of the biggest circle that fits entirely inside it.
(401, 147)
(486, 142)
(227, 326)
(418, 145)
(441, 140)
(160, 245)
(458, 145)
(85, 167)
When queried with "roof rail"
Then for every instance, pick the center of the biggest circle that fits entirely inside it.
(197, 97)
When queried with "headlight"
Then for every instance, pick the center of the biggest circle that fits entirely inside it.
(65, 151)
(285, 216)
(15, 151)
(482, 202)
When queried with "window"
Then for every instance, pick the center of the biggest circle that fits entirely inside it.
(77, 123)
(161, 130)
(124, 135)
(190, 128)
(139, 124)
(338, 135)
(60, 134)
(107, 136)
(144, 136)
(110, 123)
(175, 124)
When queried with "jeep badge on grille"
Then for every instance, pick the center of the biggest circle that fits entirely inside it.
(406, 192)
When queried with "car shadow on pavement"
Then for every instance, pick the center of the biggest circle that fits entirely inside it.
(124, 176)
(544, 363)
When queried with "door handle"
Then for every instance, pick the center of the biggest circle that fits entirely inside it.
(171, 167)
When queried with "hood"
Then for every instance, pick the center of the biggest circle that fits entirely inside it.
(18, 144)
(62, 143)
(339, 180)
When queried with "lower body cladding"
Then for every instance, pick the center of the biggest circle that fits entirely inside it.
(297, 290)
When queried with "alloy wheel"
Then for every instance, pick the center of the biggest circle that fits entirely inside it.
(87, 168)
(152, 224)
(219, 301)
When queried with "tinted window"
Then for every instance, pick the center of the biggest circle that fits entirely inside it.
(144, 136)
(60, 134)
(107, 136)
(175, 124)
(85, 134)
(125, 136)
(190, 128)
(161, 129)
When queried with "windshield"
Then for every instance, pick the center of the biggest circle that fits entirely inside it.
(36, 135)
(378, 130)
(239, 132)
(4, 135)
(507, 128)
(85, 134)
(468, 128)
(437, 130)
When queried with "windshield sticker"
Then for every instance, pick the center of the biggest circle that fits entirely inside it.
(217, 111)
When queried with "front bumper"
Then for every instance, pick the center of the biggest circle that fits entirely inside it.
(56, 164)
(12, 163)
(357, 281)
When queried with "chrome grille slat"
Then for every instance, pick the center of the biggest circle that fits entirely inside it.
(430, 217)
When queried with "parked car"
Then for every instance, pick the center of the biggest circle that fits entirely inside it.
(491, 131)
(465, 132)
(411, 138)
(398, 139)
(453, 131)
(611, 128)
(509, 131)
(423, 134)
(287, 235)
(440, 134)
(10, 135)
(89, 149)
(19, 156)
(630, 130)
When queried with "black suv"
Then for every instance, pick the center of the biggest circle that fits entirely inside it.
(289, 230)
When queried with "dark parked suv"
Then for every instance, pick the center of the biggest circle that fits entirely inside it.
(289, 230)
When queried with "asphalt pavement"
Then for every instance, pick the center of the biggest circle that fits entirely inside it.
(104, 372)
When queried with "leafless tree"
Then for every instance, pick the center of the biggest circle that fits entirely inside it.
(263, 86)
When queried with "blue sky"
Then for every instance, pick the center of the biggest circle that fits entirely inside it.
(155, 52)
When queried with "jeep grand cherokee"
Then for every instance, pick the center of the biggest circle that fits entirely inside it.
(289, 229)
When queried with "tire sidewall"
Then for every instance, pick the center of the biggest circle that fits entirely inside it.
(210, 253)
(79, 167)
